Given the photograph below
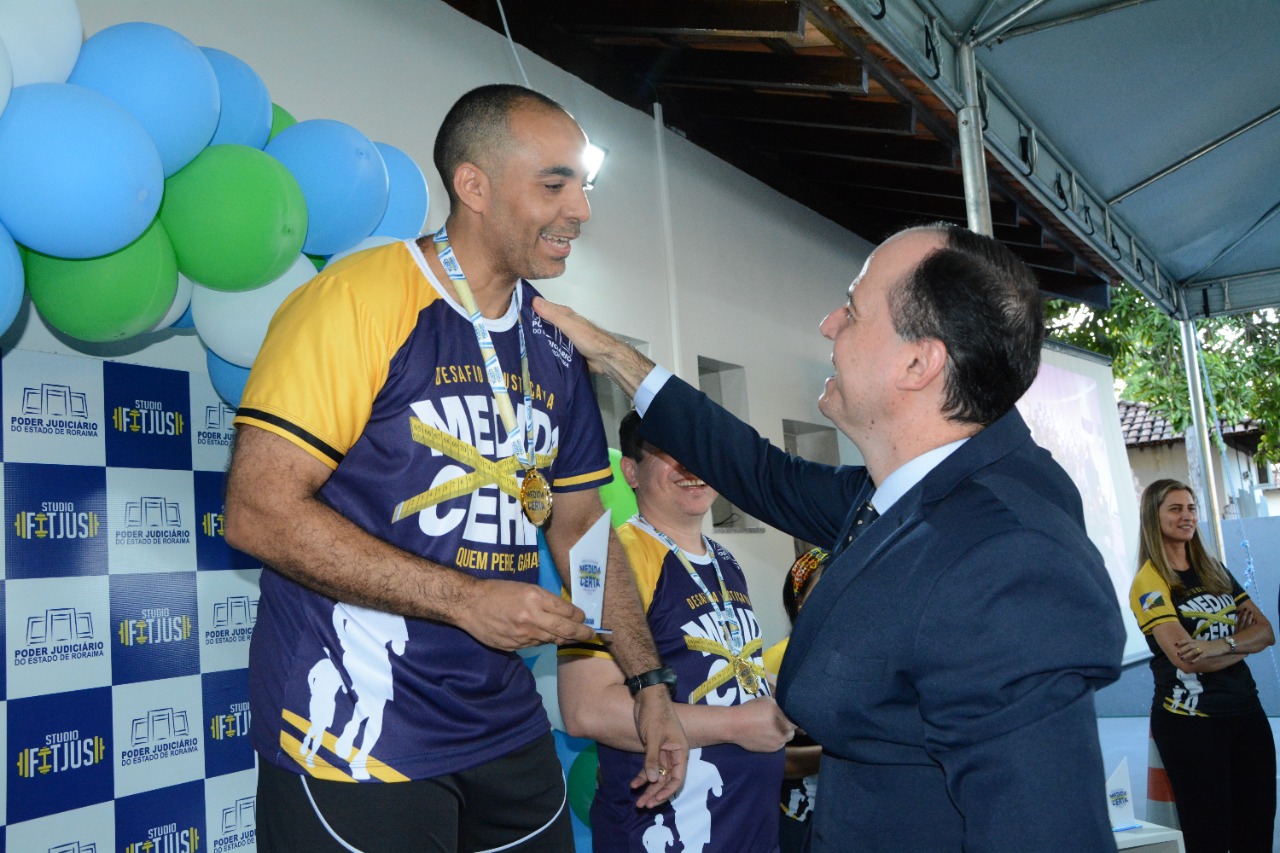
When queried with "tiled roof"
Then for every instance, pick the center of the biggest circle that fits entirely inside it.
(1143, 426)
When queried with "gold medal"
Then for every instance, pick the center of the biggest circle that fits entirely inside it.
(535, 497)
(746, 676)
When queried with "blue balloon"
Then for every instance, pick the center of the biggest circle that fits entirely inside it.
(343, 179)
(11, 278)
(228, 379)
(245, 118)
(161, 78)
(406, 195)
(79, 176)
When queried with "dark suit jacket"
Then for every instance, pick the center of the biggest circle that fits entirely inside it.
(946, 662)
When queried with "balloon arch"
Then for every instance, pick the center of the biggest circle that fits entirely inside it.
(147, 183)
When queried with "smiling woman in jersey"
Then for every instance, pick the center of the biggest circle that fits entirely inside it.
(1207, 722)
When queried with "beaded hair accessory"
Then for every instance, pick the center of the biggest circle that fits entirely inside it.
(804, 566)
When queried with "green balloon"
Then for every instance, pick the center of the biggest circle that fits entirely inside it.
(280, 119)
(617, 497)
(108, 298)
(236, 217)
(581, 783)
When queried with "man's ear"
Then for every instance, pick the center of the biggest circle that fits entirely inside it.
(928, 363)
(630, 472)
(472, 186)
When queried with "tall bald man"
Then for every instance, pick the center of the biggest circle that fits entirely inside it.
(406, 426)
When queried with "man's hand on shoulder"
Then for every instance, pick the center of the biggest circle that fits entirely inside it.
(604, 353)
(509, 615)
(666, 748)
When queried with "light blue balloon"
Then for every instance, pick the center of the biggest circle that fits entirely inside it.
(11, 278)
(245, 118)
(161, 78)
(406, 195)
(343, 179)
(228, 379)
(79, 176)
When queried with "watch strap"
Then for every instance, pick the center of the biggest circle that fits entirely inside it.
(662, 675)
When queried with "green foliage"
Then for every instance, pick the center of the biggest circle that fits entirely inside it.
(1241, 353)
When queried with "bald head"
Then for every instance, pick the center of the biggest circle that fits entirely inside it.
(477, 129)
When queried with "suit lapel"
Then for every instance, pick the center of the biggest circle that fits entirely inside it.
(992, 443)
(852, 561)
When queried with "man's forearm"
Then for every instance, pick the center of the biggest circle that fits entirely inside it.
(273, 514)
(322, 550)
(631, 643)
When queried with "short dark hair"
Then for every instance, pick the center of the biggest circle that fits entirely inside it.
(983, 303)
(477, 127)
(629, 441)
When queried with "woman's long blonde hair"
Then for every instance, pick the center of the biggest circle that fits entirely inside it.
(1151, 543)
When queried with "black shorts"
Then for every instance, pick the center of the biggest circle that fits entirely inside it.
(516, 802)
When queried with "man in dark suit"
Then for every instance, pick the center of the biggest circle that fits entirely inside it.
(947, 662)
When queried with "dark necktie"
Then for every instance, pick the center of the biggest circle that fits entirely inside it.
(866, 514)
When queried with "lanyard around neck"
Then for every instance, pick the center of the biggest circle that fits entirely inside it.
(722, 613)
(521, 449)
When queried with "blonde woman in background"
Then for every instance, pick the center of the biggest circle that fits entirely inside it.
(1206, 719)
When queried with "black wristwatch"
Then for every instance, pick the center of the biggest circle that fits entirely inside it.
(662, 675)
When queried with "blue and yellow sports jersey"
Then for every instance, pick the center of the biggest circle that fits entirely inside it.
(1205, 616)
(730, 796)
(373, 370)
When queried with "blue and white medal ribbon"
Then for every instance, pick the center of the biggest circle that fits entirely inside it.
(723, 613)
(535, 494)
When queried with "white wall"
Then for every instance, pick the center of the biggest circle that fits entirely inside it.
(1157, 462)
(753, 272)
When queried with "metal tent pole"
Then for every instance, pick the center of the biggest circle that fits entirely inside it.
(1199, 436)
(973, 158)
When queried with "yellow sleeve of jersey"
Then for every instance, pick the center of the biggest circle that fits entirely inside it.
(1150, 600)
(646, 556)
(774, 654)
(328, 351)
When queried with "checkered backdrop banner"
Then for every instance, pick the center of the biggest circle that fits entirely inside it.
(124, 699)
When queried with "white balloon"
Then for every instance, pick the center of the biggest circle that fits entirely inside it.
(367, 243)
(6, 75)
(43, 37)
(234, 324)
(181, 301)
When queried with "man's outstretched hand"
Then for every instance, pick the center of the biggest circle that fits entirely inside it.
(604, 353)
